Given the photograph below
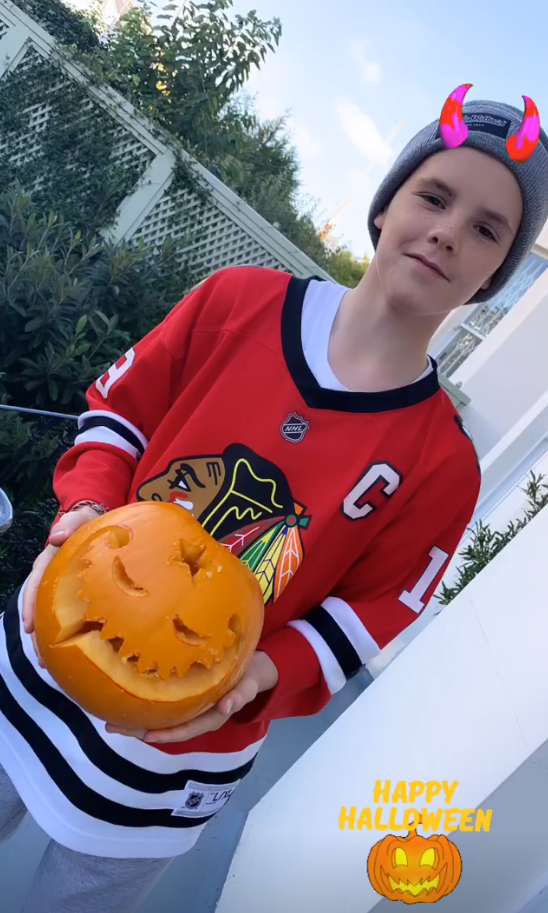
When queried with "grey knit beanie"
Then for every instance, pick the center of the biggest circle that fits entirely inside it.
(489, 124)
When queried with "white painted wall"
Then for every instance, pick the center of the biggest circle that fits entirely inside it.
(466, 701)
(508, 372)
(506, 470)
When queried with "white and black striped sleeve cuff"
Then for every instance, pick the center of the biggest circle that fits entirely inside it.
(339, 638)
(109, 428)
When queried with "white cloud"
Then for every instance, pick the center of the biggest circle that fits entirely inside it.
(369, 69)
(308, 146)
(363, 132)
(360, 181)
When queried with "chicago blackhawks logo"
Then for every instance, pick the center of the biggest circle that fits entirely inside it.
(245, 502)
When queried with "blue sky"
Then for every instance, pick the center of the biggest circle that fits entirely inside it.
(348, 71)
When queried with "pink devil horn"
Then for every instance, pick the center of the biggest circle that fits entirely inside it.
(453, 130)
(523, 143)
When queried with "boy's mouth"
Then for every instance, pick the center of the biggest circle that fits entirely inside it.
(428, 264)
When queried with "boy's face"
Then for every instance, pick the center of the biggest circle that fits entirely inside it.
(460, 210)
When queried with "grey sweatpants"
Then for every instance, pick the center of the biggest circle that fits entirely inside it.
(71, 882)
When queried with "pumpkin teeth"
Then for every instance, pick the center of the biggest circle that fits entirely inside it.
(414, 889)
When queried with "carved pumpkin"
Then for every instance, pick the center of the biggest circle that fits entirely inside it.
(414, 869)
(144, 619)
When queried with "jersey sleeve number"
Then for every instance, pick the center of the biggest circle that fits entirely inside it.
(115, 373)
(413, 599)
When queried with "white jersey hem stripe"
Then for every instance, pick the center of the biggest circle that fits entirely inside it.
(78, 833)
(92, 776)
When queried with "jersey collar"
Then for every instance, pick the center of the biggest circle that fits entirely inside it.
(317, 397)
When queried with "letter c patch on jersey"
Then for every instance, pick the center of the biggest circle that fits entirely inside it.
(357, 504)
(115, 372)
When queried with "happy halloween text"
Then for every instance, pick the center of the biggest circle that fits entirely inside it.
(383, 819)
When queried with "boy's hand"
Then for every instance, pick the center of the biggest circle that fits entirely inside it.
(64, 528)
(261, 675)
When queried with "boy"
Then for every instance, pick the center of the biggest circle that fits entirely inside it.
(307, 419)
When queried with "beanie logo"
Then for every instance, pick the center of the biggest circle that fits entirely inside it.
(454, 126)
(485, 123)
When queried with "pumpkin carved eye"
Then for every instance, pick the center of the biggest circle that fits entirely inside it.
(400, 857)
(144, 619)
(428, 857)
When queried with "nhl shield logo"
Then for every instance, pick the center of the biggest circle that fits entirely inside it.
(194, 800)
(294, 428)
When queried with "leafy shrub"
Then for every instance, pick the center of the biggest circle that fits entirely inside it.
(485, 542)
(69, 306)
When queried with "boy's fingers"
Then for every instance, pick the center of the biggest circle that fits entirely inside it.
(31, 589)
(60, 533)
(37, 651)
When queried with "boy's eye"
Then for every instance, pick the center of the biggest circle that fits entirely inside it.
(430, 197)
(489, 234)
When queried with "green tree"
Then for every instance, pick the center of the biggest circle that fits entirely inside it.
(345, 267)
(187, 72)
(184, 72)
(189, 75)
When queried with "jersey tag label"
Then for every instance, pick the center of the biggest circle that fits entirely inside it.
(202, 799)
(294, 428)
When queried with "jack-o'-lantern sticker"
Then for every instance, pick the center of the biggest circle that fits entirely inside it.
(414, 869)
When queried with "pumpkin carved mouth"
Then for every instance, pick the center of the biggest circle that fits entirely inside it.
(154, 604)
(183, 632)
(415, 889)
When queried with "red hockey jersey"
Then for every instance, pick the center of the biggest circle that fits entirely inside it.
(348, 507)
(355, 498)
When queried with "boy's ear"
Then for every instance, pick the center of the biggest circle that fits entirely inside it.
(378, 221)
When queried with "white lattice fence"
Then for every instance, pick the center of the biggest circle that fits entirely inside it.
(49, 81)
(217, 231)
(212, 238)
